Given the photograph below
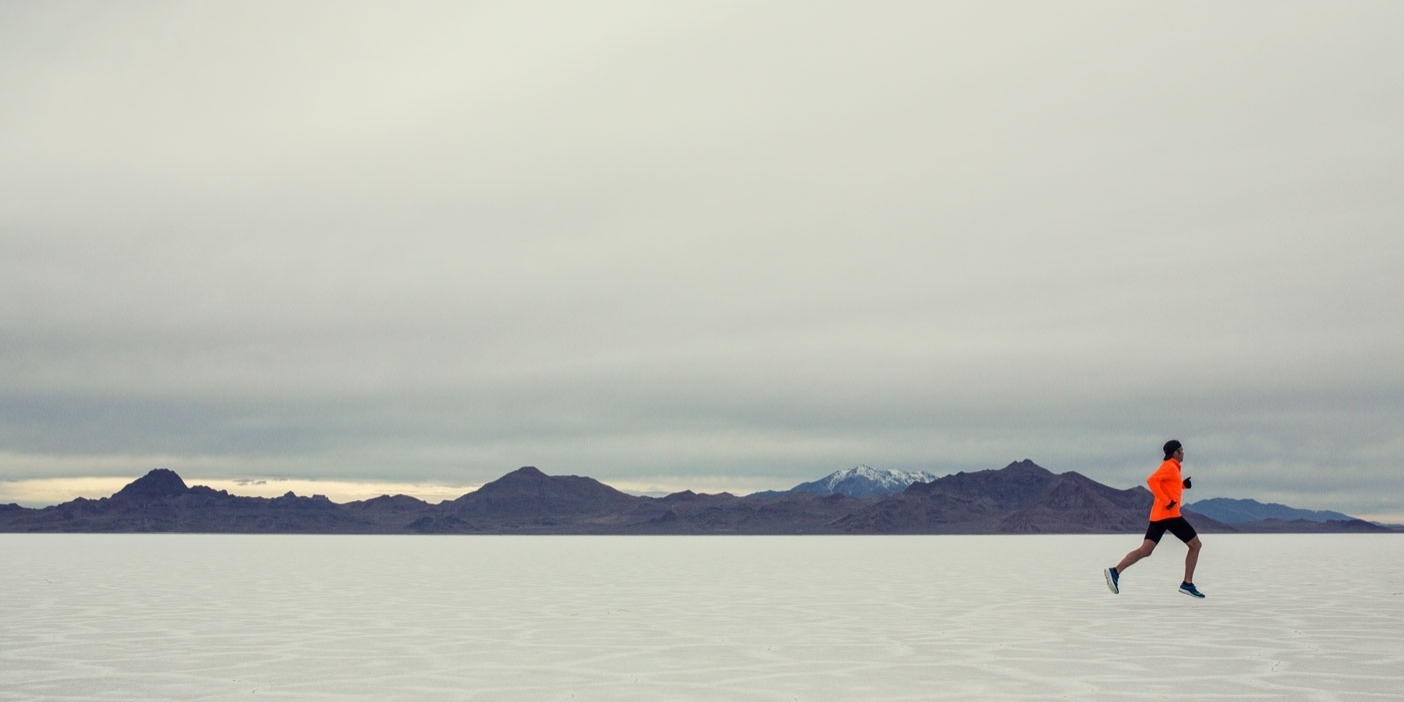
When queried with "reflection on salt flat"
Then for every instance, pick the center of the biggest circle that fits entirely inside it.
(180, 617)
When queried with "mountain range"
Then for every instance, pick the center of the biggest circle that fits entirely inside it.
(1231, 511)
(1021, 498)
(859, 481)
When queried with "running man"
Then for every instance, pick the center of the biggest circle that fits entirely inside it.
(1166, 485)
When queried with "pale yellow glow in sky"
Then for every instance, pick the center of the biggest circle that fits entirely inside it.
(41, 492)
(49, 491)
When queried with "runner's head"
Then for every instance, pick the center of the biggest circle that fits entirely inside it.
(1171, 447)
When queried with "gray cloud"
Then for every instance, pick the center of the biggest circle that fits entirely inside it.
(706, 239)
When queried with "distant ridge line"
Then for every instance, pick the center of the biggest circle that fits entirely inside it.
(1021, 498)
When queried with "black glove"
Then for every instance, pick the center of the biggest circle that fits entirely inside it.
(1171, 505)
(1187, 484)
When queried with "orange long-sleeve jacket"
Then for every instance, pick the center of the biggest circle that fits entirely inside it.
(1166, 485)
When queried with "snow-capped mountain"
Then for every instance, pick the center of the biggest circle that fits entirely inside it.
(862, 481)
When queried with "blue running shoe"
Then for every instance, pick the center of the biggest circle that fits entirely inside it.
(1113, 578)
(1189, 589)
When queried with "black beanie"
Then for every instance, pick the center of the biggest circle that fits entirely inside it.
(1171, 447)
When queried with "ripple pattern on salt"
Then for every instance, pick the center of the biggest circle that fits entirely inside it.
(215, 617)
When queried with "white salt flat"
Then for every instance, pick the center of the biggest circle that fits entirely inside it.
(190, 617)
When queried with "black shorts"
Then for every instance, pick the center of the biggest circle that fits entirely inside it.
(1175, 525)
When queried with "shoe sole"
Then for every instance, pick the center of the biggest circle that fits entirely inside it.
(1187, 593)
(1111, 584)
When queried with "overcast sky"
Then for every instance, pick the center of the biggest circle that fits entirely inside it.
(701, 245)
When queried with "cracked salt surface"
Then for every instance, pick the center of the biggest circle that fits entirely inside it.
(214, 617)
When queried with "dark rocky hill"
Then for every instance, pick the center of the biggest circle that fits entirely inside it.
(527, 492)
(155, 485)
(1021, 498)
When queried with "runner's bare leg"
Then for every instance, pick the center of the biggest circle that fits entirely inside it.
(1191, 559)
(1146, 548)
